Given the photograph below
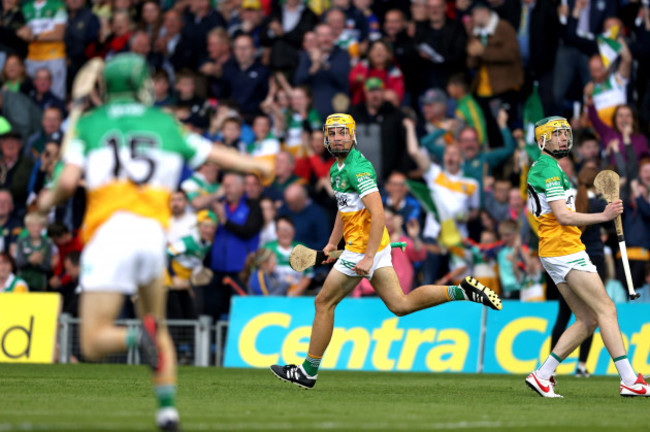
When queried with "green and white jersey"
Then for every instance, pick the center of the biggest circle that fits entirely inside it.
(42, 17)
(197, 185)
(608, 95)
(132, 156)
(293, 139)
(547, 182)
(352, 181)
(187, 254)
(283, 270)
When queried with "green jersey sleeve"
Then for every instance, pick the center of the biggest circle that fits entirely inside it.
(362, 178)
(547, 179)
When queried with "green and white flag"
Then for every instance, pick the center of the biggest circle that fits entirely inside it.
(449, 235)
(608, 46)
(533, 112)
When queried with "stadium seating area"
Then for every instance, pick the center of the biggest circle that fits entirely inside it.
(261, 76)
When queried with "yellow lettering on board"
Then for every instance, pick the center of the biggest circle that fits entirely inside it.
(505, 343)
(641, 340)
(384, 337)
(360, 339)
(456, 352)
(414, 338)
(296, 345)
(251, 331)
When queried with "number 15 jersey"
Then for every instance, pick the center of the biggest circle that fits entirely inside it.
(547, 182)
(132, 156)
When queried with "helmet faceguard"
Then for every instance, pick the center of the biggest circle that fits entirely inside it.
(127, 76)
(546, 127)
(338, 121)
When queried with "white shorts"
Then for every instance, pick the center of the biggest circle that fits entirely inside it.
(127, 251)
(559, 267)
(348, 259)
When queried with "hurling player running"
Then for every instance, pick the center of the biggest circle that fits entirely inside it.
(564, 258)
(360, 221)
(131, 155)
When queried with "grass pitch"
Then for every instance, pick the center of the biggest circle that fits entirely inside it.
(119, 398)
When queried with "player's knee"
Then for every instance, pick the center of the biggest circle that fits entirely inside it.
(399, 309)
(89, 349)
(322, 303)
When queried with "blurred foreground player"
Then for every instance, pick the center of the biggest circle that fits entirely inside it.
(131, 155)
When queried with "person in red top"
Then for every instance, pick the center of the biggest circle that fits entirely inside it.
(66, 242)
(379, 64)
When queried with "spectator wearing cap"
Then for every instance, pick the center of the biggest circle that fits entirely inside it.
(50, 125)
(199, 19)
(406, 54)
(436, 125)
(325, 69)
(493, 51)
(249, 23)
(283, 31)
(380, 136)
(380, 63)
(15, 169)
(246, 80)
(82, 30)
(476, 162)
(41, 92)
(441, 45)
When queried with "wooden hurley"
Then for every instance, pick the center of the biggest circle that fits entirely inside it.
(607, 182)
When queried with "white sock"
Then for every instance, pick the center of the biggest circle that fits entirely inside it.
(625, 370)
(548, 368)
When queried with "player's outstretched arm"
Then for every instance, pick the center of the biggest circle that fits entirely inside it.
(231, 159)
(63, 189)
(567, 217)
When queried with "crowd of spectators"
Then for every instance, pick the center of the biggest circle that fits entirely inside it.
(441, 92)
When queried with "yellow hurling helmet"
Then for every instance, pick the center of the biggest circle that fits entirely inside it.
(545, 128)
(335, 121)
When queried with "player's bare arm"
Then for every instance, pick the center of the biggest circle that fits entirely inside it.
(567, 217)
(421, 159)
(64, 188)
(231, 159)
(373, 203)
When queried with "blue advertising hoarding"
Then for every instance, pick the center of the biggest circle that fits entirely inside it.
(367, 336)
(518, 339)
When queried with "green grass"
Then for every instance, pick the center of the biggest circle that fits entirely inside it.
(119, 398)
